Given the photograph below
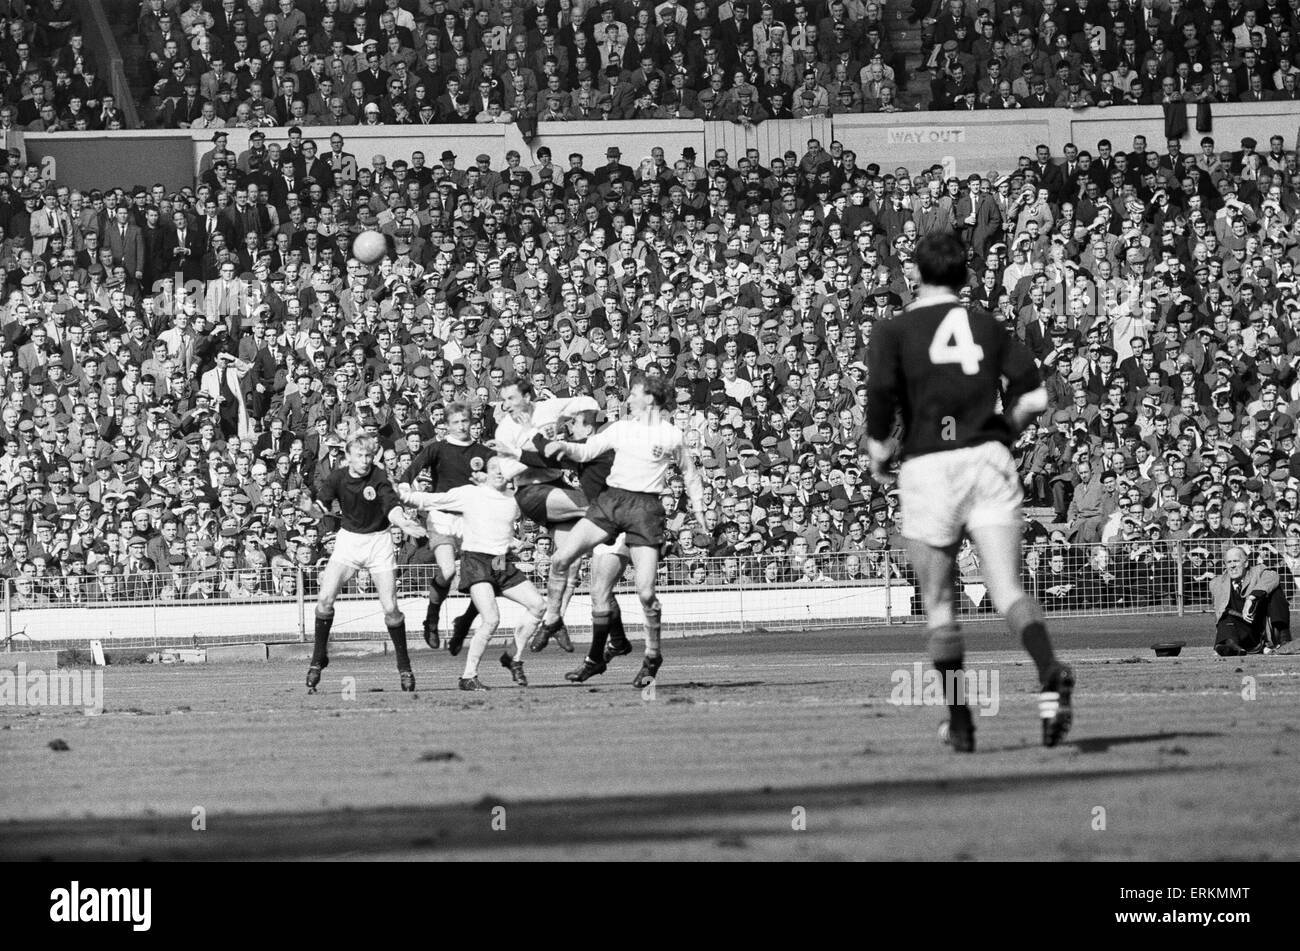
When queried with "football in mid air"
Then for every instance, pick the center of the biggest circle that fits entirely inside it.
(369, 246)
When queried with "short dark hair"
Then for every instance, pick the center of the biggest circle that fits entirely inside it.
(658, 388)
(524, 384)
(941, 259)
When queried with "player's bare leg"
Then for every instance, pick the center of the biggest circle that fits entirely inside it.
(332, 580)
(645, 562)
(606, 569)
(575, 541)
(485, 600)
(934, 571)
(565, 505)
(999, 550)
(395, 621)
(531, 600)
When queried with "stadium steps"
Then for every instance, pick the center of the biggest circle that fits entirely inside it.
(123, 15)
(906, 40)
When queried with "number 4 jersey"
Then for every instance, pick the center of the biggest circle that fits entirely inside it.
(942, 368)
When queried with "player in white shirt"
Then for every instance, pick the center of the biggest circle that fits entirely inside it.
(488, 515)
(542, 494)
(646, 445)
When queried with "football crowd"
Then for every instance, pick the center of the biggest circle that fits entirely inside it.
(179, 368)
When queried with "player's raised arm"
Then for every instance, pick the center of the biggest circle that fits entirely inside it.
(1026, 397)
(694, 485)
(583, 451)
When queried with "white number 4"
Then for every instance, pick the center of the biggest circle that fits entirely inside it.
(954, 343)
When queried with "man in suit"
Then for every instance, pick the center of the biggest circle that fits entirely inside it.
(1049, 173)
(229, 385)
(226, 300)
(620, 94)
(183, 247)
(183, 110)
(124, 239)
(342, 164)
(1248, 599)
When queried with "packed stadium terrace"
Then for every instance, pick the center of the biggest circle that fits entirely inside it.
(183, 426)
(254, 63)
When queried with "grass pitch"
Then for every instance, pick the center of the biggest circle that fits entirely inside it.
(772, 746)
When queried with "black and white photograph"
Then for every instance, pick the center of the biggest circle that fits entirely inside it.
(701, 431)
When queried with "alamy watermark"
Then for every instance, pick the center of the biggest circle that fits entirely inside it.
(916, 686)
(21, 687)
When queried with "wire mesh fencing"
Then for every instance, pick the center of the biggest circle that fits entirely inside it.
(700, 593)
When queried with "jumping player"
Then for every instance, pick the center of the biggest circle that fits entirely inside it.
(488, 514)
(608, 561)
(368, 504)
(450, 463)
(540, 490)
(941, 367)
(645, 446)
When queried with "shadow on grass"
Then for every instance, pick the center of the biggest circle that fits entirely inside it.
(395, 830)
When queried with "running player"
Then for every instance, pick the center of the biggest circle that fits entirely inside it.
(368, 504)
(540, 491)
(449, 463)
(608, 561)
(488, 514)
(645, 446)
(942, 367)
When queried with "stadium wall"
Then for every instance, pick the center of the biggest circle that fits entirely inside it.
(964, 142)
(685, 612)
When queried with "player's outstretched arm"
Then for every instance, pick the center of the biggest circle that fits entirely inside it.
(581, 451)
(397, 516)
(443, 501)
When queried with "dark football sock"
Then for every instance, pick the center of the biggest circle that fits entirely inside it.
(438, 592)
(470, 614)
(600, 623)
(947, 653)
(1026, 619)
(616, 631)
(323, 625)
(397, 634)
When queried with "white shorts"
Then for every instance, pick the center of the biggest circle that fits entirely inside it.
(944, 493)
(374, 552)
(618, 547)
(445, 528)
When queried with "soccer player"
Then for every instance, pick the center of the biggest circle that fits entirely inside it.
(645, 446)
(608, 561)
(488, 514)
(449, 463)
(368, 505)
(540, 490)
(941, 367)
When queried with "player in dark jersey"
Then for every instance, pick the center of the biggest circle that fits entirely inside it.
(941, 368)
(608, 561)
(450, 463)
(368, 504)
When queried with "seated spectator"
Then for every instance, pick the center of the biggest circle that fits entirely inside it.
(1250, 606)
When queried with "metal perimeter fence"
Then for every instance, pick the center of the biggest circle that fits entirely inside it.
(700, 594)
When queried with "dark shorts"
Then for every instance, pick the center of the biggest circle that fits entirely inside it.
(531, 499)
(497, 570)
(639, 515)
